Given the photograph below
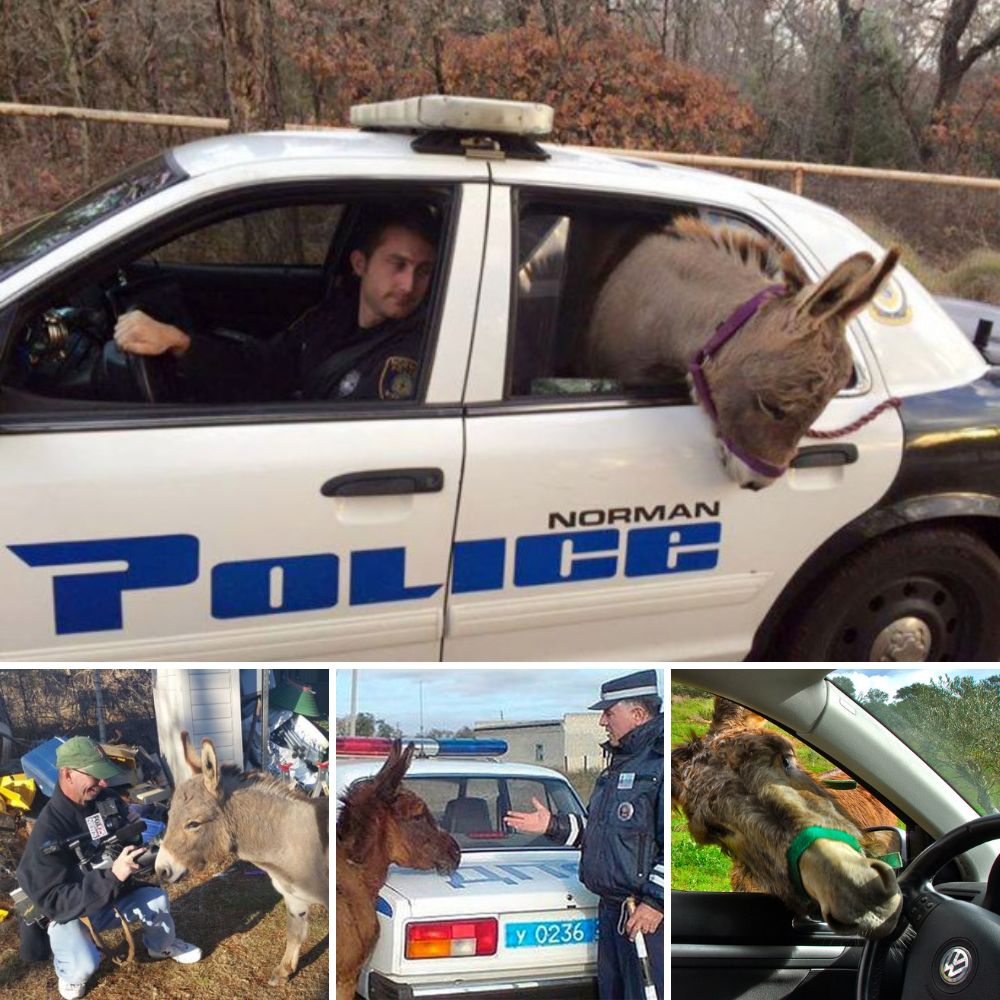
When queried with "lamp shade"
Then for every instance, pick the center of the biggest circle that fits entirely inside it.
(295, 698)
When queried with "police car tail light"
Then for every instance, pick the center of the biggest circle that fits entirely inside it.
(452, 938)
(373, 746)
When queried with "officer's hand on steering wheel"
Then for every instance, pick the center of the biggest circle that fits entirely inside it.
(138, 333)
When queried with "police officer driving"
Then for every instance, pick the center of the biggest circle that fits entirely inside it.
(621, 843)
(80, 903)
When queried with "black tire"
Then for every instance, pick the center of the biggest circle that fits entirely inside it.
(934, 591)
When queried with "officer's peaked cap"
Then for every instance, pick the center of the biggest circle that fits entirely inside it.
(641, 684)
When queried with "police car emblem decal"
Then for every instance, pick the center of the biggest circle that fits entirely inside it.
(398, 377)
(626, 811)
(890, 304)
(349, 383)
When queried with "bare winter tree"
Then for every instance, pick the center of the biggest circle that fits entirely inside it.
(253, 89)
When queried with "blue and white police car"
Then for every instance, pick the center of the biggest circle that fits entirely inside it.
(513, 920)
(503, 510)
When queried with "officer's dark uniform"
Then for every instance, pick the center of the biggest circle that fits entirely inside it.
(324, 354)
(622, 843)
(55, 882)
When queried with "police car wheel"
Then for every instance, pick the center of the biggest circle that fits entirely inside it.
(922, 595)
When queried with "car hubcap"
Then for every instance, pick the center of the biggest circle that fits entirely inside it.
(912, 619)
(907, 640)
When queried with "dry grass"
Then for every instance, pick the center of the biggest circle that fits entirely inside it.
(237, 919)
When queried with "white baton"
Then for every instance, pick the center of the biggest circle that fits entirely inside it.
(640, 947)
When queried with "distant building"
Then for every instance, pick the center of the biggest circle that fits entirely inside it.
(570, 744)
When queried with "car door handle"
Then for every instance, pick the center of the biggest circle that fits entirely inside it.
(817, 455)
(384, 482)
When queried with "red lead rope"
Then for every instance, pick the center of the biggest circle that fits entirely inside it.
(893, 402)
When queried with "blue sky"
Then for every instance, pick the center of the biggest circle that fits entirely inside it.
(459, 696)
(890, 680)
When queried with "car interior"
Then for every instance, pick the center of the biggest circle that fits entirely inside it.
(226, 272)
(748, 946)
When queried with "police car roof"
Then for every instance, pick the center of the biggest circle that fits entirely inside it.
(205, 156)
(351, 768)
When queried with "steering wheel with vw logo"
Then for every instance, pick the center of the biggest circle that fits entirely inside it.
(943, 947)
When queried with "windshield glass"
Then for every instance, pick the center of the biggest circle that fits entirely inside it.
(472, 808)
(951, 721)
(29, 242)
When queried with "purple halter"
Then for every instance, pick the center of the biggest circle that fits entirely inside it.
(724, 332)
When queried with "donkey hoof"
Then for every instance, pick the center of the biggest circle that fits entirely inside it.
(279, 976)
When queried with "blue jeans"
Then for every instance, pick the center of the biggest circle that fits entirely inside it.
(619, 974)
(74, 953)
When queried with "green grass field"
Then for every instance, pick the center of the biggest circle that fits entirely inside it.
(706, 869)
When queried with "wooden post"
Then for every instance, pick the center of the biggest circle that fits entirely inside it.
(798, 179)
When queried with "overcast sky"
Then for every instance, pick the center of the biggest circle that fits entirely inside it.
(459, 696)
(891, 681)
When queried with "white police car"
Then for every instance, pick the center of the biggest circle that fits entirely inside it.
(513, 920)
(501, 510)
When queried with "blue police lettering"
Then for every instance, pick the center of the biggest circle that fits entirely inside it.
(279, 585)
(92, 602)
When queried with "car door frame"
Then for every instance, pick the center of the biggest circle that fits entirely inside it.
(413, 630)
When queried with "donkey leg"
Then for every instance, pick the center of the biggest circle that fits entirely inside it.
(298, 927)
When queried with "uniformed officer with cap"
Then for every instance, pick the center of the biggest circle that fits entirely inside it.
(83, 803)
(622, 842)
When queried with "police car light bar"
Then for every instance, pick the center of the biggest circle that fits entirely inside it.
(375, 746)
(468, 114)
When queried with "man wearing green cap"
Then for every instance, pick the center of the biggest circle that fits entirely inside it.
(83, 803)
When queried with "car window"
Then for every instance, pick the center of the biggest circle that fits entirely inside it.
(267, 297)
(952, 722)
(704, 867)
(471, 809)
(564, 253)
(289, 236)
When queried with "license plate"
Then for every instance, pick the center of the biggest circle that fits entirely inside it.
(546, 933)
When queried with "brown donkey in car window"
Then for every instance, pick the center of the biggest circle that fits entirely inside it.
(742, 788)
(380, 823)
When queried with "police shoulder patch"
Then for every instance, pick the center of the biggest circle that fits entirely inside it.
(398, 379)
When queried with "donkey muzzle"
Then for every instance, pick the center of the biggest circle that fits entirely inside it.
(167, 867)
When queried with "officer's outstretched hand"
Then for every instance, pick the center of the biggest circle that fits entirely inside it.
(646, 919)
(536, 822)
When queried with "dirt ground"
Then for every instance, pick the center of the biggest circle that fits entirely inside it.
(238, 921)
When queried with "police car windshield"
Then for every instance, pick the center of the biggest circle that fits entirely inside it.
(32, 240)
(471, 808)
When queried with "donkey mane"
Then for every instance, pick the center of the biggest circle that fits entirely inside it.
(751, 248)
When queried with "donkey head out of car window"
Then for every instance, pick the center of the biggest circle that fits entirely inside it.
(742, 788)
(664, 298)
(382, 823)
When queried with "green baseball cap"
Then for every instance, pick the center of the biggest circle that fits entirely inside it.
(82, 754)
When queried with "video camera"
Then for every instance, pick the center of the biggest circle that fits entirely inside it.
(95, 854)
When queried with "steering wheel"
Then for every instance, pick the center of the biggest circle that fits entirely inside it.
(150, 377)
(951, 947)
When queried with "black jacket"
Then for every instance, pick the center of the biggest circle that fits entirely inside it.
(622, 843)
(324, 354)
(55, 882)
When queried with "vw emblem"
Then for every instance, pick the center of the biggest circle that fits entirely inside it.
(955, 966)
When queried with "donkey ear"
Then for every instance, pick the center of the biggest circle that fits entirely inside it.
(847, 289)
(189, 755)
(209, 766)
(388, 778)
